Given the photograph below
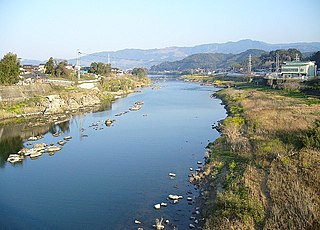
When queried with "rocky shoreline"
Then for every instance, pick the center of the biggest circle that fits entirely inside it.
(58, 107)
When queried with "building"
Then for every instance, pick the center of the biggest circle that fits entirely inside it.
(84, 70)
(27, 69)
(298, 69)
(117, 71)
(42, 68)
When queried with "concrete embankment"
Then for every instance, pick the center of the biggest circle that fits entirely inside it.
(19, 102)
(21, 92)
(47, 99)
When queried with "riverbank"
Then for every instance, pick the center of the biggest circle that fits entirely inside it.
(47, 103)
(263, 172)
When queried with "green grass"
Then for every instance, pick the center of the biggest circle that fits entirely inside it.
(17, 109)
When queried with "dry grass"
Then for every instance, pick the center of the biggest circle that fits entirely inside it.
(280, 175)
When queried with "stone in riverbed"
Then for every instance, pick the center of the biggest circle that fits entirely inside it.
(175, 197)
(137, 221)
(67, 138)
(172, 174)
(53, 148)
(62, 143)
(164, 204)
(109, 122)
(39, 146)
(14, 158)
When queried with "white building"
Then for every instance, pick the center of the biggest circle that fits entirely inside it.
(299, 69)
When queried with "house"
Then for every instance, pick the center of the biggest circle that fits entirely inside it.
(84, 70)
(41, 68)
(117, 71)
(70, 67)
(29, 68)
(298, 69)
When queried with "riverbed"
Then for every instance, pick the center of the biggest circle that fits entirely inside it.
(107, 177)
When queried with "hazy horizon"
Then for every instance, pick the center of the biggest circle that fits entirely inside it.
(40, 29)
(100, 51)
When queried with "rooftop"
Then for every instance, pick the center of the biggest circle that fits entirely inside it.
(298, 63)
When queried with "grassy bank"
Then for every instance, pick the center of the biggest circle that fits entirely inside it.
(218, 80)
(264, 170)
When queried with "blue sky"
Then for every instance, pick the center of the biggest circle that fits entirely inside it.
(40, 29)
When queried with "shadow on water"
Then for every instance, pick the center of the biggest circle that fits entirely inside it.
(12, 137)
(8, 146)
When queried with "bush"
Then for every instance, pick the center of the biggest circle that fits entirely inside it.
(115, 85)
(312, 137)
(237, 206)
(238, 121)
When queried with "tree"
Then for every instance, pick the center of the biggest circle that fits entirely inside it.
(316, 57)
(93, 67)
(100, 68)
(49, 66)
(9, 69)
(139, 72)
(60, 70)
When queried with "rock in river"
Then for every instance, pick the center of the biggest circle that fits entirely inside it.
(109, 122)
(53, 148)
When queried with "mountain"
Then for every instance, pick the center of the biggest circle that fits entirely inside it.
(31, 62)
(130, 58)
(207, 61)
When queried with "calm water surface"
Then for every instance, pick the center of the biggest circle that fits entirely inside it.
(114, 175)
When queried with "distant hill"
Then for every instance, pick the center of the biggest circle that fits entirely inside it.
(31, 62)
(130, 58)
(207, 61)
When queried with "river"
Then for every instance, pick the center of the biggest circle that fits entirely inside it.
(106, 177)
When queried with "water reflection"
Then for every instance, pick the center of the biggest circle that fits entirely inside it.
(8, 146)
(14, 136)
(63, 127)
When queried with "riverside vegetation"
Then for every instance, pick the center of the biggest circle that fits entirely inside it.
(264, 170)
(25, 101)
(48, 99)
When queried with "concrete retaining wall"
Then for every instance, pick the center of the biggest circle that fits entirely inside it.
(20, 92)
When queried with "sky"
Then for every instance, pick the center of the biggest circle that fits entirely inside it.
(39, 29)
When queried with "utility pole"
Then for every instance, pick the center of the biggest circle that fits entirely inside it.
(297, 57)
(249, 64)
(78, 64)
(277, 63)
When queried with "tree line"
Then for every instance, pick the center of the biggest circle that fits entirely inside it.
(10, 69)
(57, 69)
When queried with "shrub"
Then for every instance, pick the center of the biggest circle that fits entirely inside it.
(18, 108)
(238, 121)
(312, 137)
(237, 206)
(236, 110)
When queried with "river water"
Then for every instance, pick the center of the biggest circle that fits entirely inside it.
(106, 177)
